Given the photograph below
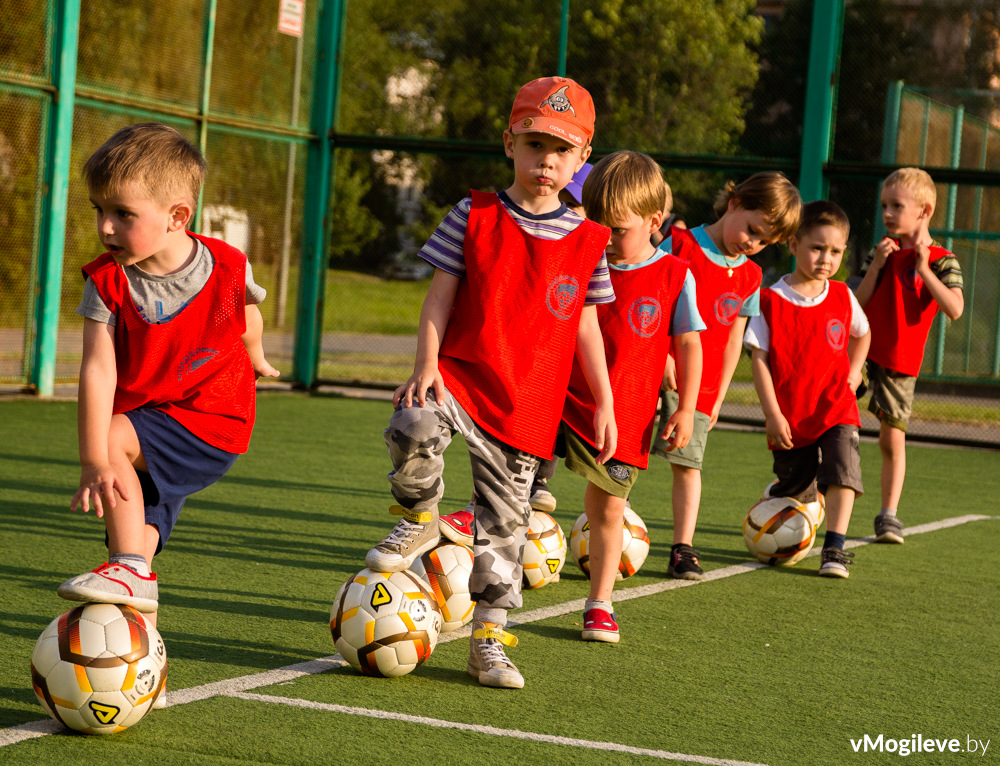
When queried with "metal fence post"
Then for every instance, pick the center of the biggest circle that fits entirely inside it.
(319, 180)
(66, 29)
(957, 120)
(817, 126)
(563, 38)
(890, 145)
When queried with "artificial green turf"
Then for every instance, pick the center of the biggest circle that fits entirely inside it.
(907, 645)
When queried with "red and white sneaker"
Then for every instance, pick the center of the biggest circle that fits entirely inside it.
(113, 584)
(598, 625)
(459, 527)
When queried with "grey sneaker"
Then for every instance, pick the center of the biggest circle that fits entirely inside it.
(888, 529)
(487, 661)
(113, 584)
(541, 499)
(414, 534)
(835, 563)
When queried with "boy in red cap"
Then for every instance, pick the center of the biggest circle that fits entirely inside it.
(521, 276)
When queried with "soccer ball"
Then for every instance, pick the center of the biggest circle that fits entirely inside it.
(778, 530)
(544, 552)
(816, 509)
(447, 569)
(98, 668)
(635, 544)
(385, 624)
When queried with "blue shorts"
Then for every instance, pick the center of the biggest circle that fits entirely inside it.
(179, 464)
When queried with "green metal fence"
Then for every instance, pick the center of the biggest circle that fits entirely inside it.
(333, 154)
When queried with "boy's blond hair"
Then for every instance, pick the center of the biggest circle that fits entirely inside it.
(918, 182)
(770, 193)
(823, 213)
(155, 159)
(621, 184)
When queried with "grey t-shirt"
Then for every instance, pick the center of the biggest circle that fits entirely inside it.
(160, 298)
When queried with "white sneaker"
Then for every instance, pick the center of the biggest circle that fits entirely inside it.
(541, 499)
(487, 661)
(113, 584)
(414, 534)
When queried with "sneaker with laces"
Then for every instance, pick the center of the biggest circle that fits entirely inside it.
(541, 499)
(599, 625)
(460, 527)
(414, 534)
(113, 584)
(684, 563)
(487, 660)
(888, 529)
(834, 563)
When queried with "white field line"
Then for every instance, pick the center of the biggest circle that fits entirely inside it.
(493, 731)
(233, 686)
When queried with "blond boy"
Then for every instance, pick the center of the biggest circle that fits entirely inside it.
(908, 278)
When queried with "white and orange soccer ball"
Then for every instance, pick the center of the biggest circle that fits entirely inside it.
(447, 569)
(635, 544)
(98, 668)
(544, 552)
(816, 509)
(779, 530)
(385, 624)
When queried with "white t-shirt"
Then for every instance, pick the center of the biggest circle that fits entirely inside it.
(758, 334)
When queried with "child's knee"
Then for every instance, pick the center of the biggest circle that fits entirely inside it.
(413, 427)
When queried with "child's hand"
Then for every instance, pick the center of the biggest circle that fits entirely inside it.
(678, 430)
(417, 387)
(606, 430)
(923, 254)
(779, 433)
(670, 375)
(883, 250)
(97, 481)
(854, 380)
(263, 369)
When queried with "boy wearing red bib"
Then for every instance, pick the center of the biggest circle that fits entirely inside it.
(808, 345)
(654, 302)
(171, 342)
(761, 210)
(515, 292)
(908, 279)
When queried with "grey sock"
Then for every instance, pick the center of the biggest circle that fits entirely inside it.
(594, 604)
(131, 560)
(490, 614)
(887, 512)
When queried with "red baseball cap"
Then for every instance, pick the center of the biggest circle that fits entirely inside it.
(557, 106)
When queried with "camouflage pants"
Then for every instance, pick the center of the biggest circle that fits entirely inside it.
(501, 475)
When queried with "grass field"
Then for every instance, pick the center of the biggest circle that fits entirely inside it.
(754, 665)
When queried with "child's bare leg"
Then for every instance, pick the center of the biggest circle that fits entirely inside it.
(126, 579)
(605, 514)
(839, 505)
(892, 443)
(686, 497)
(126, 522)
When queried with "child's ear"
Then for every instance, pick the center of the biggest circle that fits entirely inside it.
(508, 143)
(655, 220)
(793, 245)
(584, 156)
(928, 211)
(181, 214)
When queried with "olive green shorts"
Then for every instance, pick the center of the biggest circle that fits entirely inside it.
(892, 395)
(614, 477)
(690, 456)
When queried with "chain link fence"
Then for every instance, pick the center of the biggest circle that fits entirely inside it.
(713, 90)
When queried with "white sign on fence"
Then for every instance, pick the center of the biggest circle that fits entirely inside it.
(291, 17)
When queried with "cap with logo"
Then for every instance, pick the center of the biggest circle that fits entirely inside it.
(557, 106)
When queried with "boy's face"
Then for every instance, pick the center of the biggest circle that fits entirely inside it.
(818, 252)
(901, 213)
(630, 239)
(133, 227)
(543, 164)
(745, 232)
